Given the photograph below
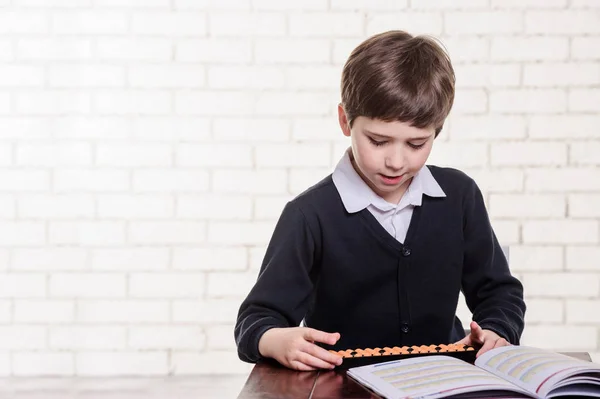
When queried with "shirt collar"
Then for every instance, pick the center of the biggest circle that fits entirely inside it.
(356, 195)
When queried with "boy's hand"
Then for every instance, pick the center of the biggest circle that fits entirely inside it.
(486, 338)
(294, 348)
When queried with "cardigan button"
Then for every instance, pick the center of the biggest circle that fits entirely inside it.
(405, 328)
(405, 251)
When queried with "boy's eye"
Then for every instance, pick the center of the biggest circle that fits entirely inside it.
(377, 143)
(415, 146)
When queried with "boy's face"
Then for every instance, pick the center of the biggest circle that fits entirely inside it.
(387, 154)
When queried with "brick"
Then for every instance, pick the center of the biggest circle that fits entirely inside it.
(228, 51)
(165, 337)
(230, 284)
(44, 311)
(448, 4)
(215, 207)
(507, 231)
(467, 48)
(374, 5)
(582, 258)
(166, 285)
(459, 154)
(92, 233)
(5, 364)
(210, 258)
(470, 101)
(247, 233)
(135, 206)
(134, 155)
(313, 5)
(205, 311)
(251, 130)
(269, 208)
(545, 311)
(19, 337)
(291, 51)
(584, 153)
(562, 180)
(169, 23)
(22, 285)
(132, 102)
(293, 103)
(281, 155)
(487, 127)
(561, 285)
(89, 22)
(220, 338)
(5, 154)
(317, 129)
(236, 24)
(557, 22)
(529, 4)
(213, 4)
(133, 48)
(87, 285)
(49, 259)
(168, 232)
(219, 154)
(122, 363)
(24, 128)
(133, 3)
(53, 103)
(245, 77)
(24, 180)
(145, 258)
(552, 337)
(166, 76)
(584, 205)
(561, 232)
(215, 103)
(584, 100)
(106, 128)
(529, 48)
(171, 128)
(37, 364)
(483, 22)
(256, 256)
(56, 49)
(486, 75)
(21, 75)
(217, 362)
(522, 101)
(168, 180)
(527, 206)
(583, 311)
(123, 311)
(8, 207)
(242, 181)
(523, 258)
(302, 178)
(342, 49)
(53, 3)
(59, 154)
(326, 24)
(585, 48)
(56, 206)
(66, 180)
(6, 315)
(6, 106)
(564, 126)
(28, 22)
(528, 154)
(87, 338)
(585, 4)
(314, 77)
(416, 23)
(564, 74)
(22, 233)
(7, 53)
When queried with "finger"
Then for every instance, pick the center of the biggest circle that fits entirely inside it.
(476, 333)
(465, 341)
(487, 345)
(322, 354)
(297, 365)
(312, 361)
(310, 334)
(501, 342)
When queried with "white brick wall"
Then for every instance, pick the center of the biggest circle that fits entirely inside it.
(148, 147)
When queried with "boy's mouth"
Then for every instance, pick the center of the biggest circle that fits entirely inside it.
(390, 179)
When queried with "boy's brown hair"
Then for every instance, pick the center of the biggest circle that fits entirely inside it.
(394, 76)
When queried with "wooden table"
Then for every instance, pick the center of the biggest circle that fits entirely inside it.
(269, 380)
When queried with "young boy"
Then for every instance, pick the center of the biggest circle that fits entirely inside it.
(376, 254)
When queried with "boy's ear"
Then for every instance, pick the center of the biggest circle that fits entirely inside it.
(343, 120)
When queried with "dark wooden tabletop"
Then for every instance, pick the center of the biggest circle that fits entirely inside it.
(269, 380)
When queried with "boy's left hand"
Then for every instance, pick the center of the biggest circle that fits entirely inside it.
(486, 338)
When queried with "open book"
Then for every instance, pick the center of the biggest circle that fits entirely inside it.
(505, 372)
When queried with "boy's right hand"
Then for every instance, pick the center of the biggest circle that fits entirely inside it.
(294, 348)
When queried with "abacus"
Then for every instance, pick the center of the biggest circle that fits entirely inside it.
(363, 357)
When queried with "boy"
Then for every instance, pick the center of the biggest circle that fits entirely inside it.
(376, 254)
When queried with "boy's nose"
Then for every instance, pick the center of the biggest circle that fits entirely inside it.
(395, 161)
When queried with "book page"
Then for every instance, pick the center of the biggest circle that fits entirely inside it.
(537, 370)
(431, 377)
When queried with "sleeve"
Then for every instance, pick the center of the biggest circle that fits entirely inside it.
(493, 295)
(282, 292)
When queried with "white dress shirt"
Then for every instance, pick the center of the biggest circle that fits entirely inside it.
(395, 218)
